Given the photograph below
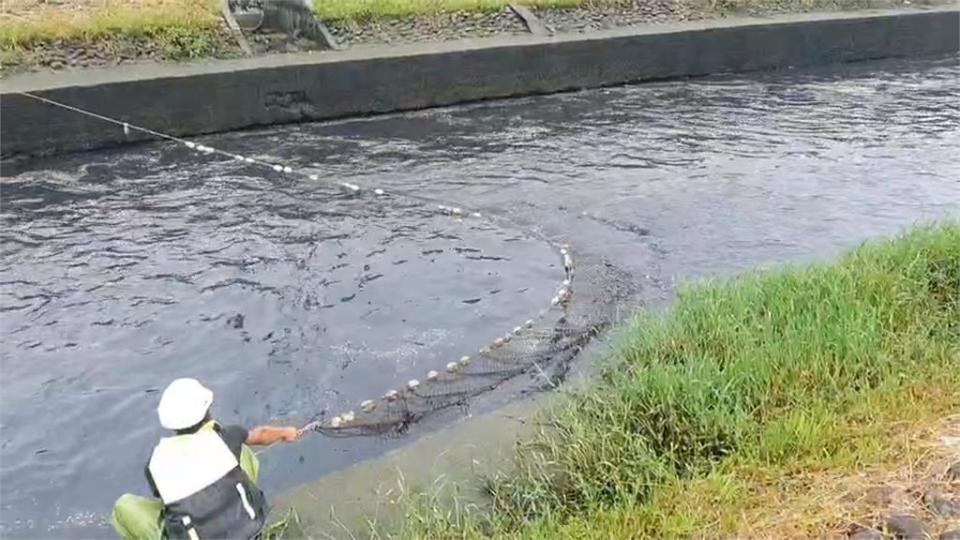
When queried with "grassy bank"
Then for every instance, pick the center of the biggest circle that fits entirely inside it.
(358, 10)
(187, 28)
(189, 24)
(90, 33)
(757, 407)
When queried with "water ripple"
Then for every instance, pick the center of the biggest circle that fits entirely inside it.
(123, 268)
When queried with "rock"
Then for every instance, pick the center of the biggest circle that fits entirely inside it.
(953, 472)
(951, 535)
(236, 321)
(880, 496)
(57, 64)
(867, 534)
(906, 527)
(940, 505)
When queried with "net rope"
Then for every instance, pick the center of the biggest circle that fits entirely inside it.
(549, 339)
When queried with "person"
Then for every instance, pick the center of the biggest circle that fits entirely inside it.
(204, 477)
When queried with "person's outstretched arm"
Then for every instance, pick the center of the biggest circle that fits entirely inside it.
(266, 435)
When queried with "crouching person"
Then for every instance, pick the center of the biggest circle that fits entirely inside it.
(205, 475)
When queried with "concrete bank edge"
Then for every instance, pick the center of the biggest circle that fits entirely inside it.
(450, 462)
(212, 97)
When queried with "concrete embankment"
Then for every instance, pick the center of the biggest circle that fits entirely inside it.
(221, 96)
(374, 494)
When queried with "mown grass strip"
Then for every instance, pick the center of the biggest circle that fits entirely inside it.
(26, 23)
(360, 10)
(165, 20)
(717, 417)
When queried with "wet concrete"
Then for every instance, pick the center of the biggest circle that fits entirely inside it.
(374, 495)
(666, 181)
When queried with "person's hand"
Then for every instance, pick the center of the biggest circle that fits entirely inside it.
(291, 434)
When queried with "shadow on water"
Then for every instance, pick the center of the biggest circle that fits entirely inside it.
(125, 268)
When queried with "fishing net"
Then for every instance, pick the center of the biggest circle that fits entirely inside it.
(547, 342)
(586, 302)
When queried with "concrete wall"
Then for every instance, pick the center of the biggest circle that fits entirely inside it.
(229, 95)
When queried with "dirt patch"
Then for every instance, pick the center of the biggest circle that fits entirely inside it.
(919, 498)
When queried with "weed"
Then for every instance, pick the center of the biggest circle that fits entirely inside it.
(712, 415)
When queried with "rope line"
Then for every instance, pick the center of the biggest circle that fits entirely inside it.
(441, 205)
(344, 423)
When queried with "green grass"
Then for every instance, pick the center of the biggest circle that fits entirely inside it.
(730, 413)
(192, 28)
(335, 10)
(184, 28)
(199, 20)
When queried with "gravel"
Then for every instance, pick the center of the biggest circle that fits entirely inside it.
(439, 27)
(584, 19)
(73, 54)
(271, 43)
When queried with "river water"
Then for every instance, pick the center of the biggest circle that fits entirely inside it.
(124, 269)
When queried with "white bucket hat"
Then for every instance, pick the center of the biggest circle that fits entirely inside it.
(184, 403)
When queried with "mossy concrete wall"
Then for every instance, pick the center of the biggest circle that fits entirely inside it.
(229, 95)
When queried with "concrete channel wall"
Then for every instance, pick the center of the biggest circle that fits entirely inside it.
(229, 95)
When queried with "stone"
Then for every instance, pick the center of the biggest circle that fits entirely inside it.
(906, 527)
(950, 535)
(867, 534)
(953, 472)
(940, 505)
(880, 495)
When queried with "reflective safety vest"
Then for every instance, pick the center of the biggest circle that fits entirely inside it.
(205, 492)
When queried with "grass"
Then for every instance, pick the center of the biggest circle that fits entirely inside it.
(359, 10)
(27, 23)
(756, 407)
(184, 28)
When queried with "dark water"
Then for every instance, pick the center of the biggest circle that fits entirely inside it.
(122, 270)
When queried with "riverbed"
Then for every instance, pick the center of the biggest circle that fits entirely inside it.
(124, 269)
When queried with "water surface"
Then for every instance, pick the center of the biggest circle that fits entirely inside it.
(124, 269)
